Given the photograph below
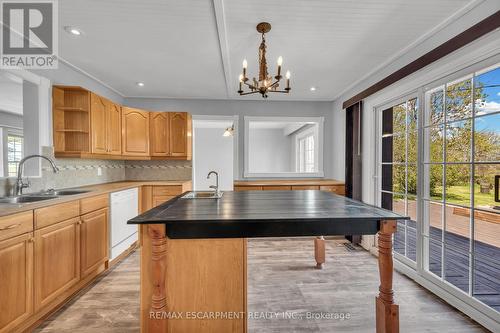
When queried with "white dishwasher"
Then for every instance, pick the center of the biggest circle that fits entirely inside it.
(124, 206)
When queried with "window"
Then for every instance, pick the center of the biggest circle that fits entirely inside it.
(14, 153)
(399, 171)
(306, 154)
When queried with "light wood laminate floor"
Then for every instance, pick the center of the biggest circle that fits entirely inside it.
(282, 280)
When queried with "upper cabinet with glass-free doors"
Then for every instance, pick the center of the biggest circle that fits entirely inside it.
(170, 135)
(87, 125)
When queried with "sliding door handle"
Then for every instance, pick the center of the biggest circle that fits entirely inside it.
(497, 190)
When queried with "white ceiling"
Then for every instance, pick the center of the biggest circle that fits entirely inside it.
(194, 48)
(11, 93)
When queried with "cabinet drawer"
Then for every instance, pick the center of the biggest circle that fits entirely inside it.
(305, 187)
(167, 190)
(16, 224)
(159, 199)
(248, 188)
(49, 215)
(94, 203)
(276, 188)
(338, 189)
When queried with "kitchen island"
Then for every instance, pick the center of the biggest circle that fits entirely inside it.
(193, 260)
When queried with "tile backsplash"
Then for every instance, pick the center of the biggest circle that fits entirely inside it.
(80, 172)
(155, 170)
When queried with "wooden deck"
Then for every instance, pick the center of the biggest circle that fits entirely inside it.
(486, 273)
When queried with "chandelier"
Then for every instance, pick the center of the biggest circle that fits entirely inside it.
(266, 83)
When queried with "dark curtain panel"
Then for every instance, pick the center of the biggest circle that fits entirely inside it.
(353, 151)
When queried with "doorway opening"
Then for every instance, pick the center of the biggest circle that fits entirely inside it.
(215, 142)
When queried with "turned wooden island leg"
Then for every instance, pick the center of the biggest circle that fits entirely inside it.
(319, 251)
(158, 323)
(386, 311)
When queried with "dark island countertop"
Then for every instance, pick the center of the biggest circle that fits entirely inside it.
(266, 214)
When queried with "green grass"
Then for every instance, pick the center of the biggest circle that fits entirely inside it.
(460, 194)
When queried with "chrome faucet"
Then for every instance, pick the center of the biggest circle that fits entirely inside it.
(216, 186)
(20, 185)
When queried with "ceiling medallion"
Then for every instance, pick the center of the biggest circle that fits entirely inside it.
(266, 83)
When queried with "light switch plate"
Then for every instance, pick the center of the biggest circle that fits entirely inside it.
(99, 171)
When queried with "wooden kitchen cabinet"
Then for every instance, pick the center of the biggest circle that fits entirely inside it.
(57, 260)
(98, 122)
(170, 135)
(114, 128)
(86, 125)
(16, 281)
(180, 134)
(71, 121)
(105, 124)
(135, 132)
(160, 133)
(94, 240)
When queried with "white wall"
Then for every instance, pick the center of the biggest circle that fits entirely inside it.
(8, 119)
(212, 151)
(249, 108)
(270, 150)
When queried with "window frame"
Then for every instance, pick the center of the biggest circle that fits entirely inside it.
(320, 150)
(12, 133)
(309, 133)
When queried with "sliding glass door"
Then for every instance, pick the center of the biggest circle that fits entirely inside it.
(461, 160)
(439, 163)
(399, 171)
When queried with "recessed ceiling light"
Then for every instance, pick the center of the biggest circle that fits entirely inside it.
(73, 31)
(312, 88)
(140, 84)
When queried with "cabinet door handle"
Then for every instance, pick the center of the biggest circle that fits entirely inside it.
(10, 227)
(31, 240)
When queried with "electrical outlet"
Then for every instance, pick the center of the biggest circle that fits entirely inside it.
(99, 171)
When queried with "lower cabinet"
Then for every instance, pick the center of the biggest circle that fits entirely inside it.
(159, 199)
(94, 240)
(155, 195)
(48, 254)
(57, 260)
(16, 281)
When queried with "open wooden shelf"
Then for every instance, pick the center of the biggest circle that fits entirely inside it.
(71, 119)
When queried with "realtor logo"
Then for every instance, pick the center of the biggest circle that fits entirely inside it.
(29, 34)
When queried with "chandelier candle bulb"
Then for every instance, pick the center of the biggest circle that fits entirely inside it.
(288, 80)
(245, 65)
(280, 62)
